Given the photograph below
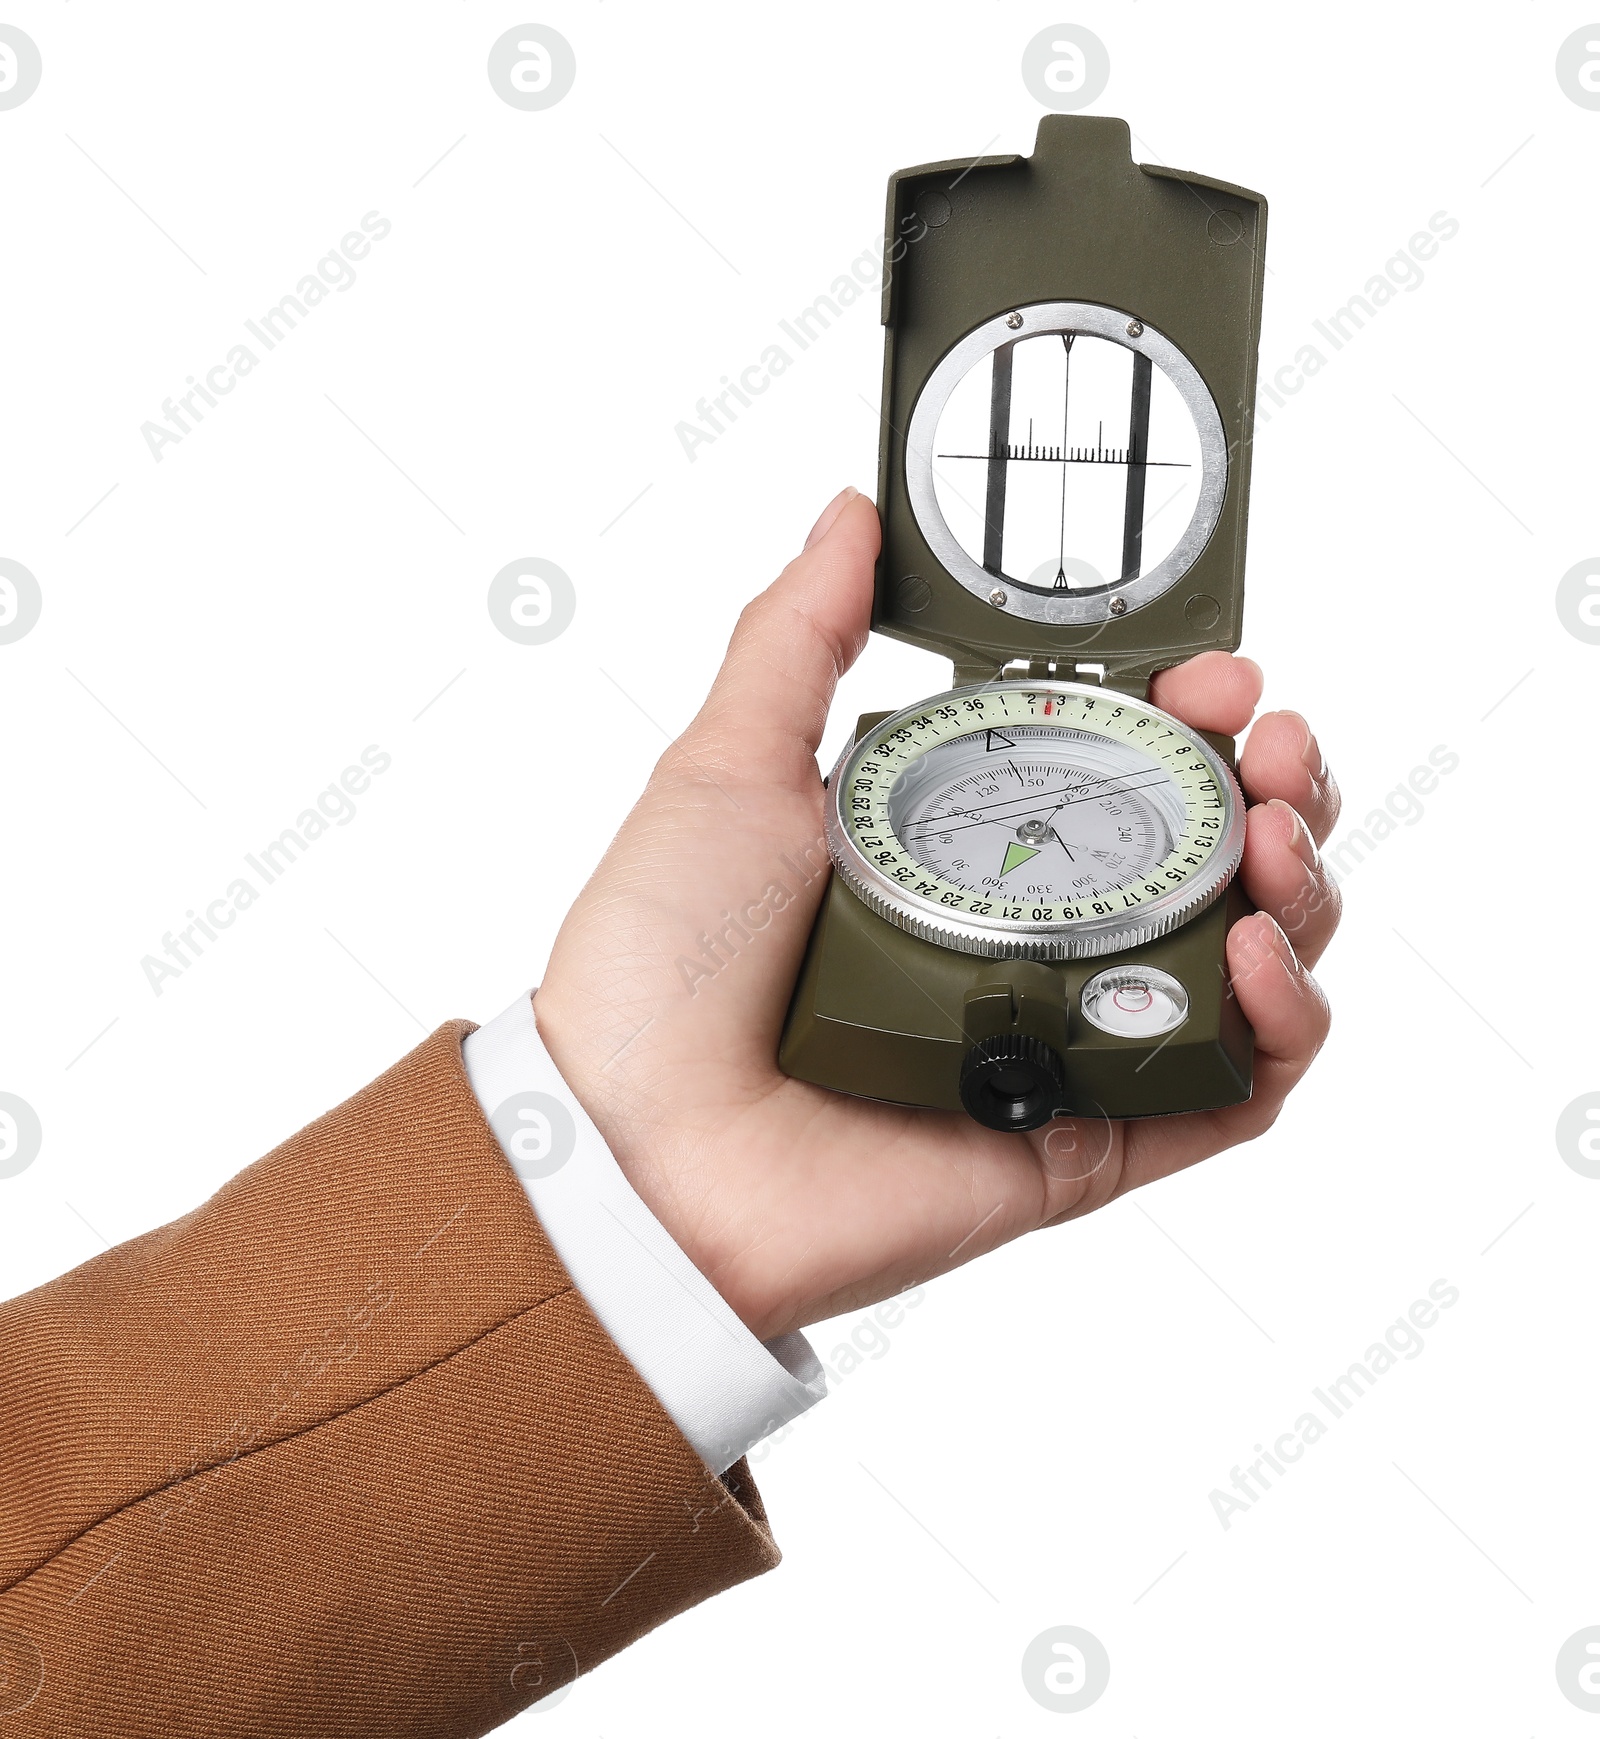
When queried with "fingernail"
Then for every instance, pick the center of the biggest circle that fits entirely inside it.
(1260, 941)
(1274, 934)
(1299, 839)
(829, 514)
(1311, 754)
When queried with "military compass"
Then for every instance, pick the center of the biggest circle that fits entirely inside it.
(1034, 869)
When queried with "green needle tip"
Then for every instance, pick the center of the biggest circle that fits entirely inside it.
(1016, 854)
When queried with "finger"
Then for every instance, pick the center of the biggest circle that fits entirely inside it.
(1215, 692)
(1284, 875)
(1286, 1007)
(1282, 759)
(769, 705)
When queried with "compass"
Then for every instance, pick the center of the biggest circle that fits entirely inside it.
(1045, 821)
(1035, 867)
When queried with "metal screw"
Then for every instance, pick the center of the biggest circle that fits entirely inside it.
(1119, 606)
(1136, 329)
(1013, 321)
(997, 597)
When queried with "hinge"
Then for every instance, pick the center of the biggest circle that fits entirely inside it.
(1063, 669)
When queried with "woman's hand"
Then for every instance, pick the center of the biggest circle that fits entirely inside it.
(795, 1202)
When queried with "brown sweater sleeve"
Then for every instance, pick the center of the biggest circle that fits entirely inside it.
(342, 1452)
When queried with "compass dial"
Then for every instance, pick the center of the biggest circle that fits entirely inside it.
(1051, 820)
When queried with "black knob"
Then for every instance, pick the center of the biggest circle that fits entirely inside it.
(1012, 1081)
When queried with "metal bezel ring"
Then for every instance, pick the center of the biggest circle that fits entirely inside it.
(1093, 321)
(1010, 939)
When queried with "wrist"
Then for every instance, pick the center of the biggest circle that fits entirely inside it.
(670, 1170)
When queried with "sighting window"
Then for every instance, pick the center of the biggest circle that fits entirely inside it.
(1066, 462)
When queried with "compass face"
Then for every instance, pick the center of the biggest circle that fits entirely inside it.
(1050, 820)
(1065, 462)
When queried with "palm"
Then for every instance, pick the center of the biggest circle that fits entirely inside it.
(669, 981)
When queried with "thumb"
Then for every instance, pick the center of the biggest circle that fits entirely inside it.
(769, 704)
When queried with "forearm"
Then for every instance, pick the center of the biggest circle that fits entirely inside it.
(342, 1451)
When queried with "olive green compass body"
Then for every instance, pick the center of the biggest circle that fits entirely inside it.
(1034, 871)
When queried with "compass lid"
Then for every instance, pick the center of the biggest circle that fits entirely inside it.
(1069, 386)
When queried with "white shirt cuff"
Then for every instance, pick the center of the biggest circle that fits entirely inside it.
(722, 1388)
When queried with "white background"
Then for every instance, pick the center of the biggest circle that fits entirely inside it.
(274, 595)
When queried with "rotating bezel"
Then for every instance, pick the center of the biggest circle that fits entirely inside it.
(1086, 936)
